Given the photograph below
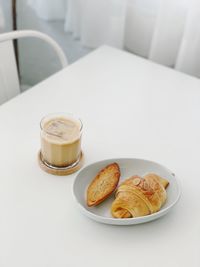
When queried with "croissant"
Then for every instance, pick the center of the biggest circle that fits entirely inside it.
(138, 196)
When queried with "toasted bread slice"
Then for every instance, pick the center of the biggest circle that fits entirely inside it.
(103, 184)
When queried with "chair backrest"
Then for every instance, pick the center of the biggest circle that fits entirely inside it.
(9, 82)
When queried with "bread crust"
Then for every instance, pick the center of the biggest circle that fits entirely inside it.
(103, 184)
(137, 196)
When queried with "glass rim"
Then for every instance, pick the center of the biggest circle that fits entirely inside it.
(56, 114)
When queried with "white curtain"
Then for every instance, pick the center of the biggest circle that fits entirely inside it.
(165, 31)
(49, 9)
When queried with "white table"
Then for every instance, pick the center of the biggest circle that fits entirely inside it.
(130, 107)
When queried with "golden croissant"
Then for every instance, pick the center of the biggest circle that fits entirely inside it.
(138, 196)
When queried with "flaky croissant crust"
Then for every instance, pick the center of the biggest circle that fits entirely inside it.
(138, 196)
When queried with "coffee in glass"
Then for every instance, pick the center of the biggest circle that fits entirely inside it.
(61, 140)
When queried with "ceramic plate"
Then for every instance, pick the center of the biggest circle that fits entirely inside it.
(128, 167)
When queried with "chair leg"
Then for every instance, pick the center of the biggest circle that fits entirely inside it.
(14, 24)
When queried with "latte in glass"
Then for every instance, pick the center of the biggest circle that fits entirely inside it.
(61, 140)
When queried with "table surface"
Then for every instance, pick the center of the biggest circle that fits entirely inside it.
(130, 107)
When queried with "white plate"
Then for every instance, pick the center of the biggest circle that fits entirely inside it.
(128, 167)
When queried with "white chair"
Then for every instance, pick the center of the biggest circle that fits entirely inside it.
(9, 81)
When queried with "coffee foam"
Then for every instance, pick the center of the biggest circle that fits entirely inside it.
(62, 130)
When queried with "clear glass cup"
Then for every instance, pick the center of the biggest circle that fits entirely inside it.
(61, 140)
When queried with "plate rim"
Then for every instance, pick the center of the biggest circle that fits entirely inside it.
(137, 220)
